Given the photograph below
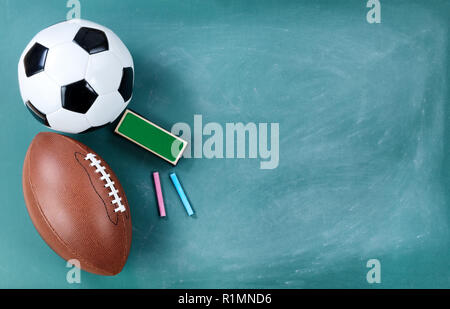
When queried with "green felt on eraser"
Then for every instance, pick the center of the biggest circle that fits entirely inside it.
(151, 137)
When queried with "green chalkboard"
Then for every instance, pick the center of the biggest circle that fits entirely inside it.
(351, 160)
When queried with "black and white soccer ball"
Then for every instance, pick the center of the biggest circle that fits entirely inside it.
(75, 76)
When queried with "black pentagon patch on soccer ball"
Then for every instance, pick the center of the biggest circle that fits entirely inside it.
(35, 58)
(78, 97)
(91, 40)
(37, 113)
(126, 84)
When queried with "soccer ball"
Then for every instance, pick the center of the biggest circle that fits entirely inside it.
(76, 76)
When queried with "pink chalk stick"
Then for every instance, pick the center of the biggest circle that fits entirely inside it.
(159, 196)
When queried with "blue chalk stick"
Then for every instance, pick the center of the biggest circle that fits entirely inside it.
(180, 191)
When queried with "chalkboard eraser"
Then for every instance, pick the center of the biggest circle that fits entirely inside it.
(151, 137)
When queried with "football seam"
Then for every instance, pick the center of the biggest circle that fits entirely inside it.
(77, 255)
(98, 194)
(113, 193)
(125, 248)
(126, 214)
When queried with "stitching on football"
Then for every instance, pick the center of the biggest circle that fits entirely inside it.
(109, 183)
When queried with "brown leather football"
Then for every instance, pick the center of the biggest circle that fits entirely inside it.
(77, 203)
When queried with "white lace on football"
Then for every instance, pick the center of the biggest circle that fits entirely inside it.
(109, 184)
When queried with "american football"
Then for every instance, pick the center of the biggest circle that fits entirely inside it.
(76, 203)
